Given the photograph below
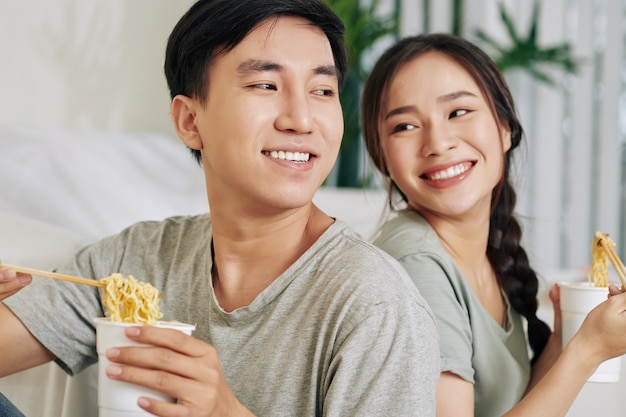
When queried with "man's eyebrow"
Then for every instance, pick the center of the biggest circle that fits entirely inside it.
(260, 65)
(330, 70)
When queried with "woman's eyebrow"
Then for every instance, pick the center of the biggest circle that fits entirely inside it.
(400, 110)
(443, 99)
(454, 95)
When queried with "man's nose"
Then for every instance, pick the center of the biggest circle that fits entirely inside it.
(295, 114)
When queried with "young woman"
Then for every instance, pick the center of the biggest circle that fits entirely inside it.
(439, 123)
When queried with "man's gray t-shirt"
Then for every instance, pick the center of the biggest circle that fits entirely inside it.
(341, 332)
(473, 345)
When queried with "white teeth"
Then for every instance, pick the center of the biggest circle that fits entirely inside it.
(450, 172)
(289, 156)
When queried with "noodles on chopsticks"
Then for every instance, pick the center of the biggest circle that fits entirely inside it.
(130, 301)
(600, 260)
(603, 252)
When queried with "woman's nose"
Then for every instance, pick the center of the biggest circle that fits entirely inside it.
(436, 139)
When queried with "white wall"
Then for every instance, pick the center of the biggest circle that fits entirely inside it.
(86, 63)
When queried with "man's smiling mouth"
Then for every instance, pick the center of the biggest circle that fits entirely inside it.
(288, 155)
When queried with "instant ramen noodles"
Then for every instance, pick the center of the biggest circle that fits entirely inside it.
(130, 301)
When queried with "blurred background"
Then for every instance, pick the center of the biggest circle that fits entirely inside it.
(73, 66)
(97, 64)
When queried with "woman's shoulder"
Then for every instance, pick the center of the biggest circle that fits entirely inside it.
(361, 264)
(408, 233)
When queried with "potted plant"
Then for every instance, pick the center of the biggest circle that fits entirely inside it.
(365, 25)
(525, 53)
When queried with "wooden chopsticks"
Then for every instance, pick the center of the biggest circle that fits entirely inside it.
(70, 278)
(618, 265)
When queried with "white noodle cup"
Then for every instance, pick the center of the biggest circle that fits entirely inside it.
(119, 398)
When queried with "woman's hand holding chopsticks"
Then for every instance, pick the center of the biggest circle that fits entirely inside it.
(614, 290)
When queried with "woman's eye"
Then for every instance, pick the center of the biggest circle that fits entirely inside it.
(458, 113)
(402, 127)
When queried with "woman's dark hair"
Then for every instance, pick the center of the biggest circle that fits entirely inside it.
(214, 27)
(506, 255)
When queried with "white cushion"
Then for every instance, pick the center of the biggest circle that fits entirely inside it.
(96, 183)
(33, 243)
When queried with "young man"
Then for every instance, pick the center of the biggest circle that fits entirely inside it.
(295, 314)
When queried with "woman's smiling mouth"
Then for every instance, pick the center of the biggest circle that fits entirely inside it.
(449, 172)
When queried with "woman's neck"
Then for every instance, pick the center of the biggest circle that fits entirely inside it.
(466, 243)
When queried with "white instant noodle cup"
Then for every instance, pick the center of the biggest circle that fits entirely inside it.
(577, 300)
(119, 398)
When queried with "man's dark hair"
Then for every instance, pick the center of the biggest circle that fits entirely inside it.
(214, 27)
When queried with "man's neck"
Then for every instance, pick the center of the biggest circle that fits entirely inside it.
(250, 255)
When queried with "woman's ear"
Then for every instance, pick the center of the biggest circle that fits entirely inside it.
(505, 137)
(183, 111)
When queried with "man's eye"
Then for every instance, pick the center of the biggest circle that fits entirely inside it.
(458, 113)
(324, 92)
(264, 86)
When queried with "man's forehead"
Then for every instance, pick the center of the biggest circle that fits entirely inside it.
(284, 30)
(277, 45)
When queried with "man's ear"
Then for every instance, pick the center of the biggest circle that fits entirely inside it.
(183, 111)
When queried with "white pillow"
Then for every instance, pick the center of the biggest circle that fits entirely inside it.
(360, 208)
(35, 244)
(95, 183)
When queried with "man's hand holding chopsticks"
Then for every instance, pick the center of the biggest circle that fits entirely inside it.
(12, 281)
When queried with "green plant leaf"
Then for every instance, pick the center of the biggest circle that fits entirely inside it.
(508, 23)
(525, 53)
(365, 26)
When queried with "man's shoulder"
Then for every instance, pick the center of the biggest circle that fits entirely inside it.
(354, 261)
(172, 224)
(349, 248)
